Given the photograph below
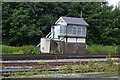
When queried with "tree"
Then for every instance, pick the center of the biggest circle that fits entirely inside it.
(25, 23)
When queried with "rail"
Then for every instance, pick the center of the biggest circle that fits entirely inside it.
(54, 56)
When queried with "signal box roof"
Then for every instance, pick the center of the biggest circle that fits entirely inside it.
(73, 21)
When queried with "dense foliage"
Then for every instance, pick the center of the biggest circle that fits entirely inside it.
(25, 23)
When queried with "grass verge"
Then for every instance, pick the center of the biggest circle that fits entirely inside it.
(30, 49)
(100, 49)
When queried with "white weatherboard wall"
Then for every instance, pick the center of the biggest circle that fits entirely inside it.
(61, 21)
(81, 40)
(45, 45)
(76, 40)
(57, 31)
(72, 40)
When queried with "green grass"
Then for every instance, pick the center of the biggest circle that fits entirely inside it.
(99, 49)
(30, 49)
(105, 73)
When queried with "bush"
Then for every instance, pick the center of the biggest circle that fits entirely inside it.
(29, 49)
(20, 50)
(99, 49)
(9, 50)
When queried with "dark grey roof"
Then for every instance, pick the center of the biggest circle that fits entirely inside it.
(77, 21)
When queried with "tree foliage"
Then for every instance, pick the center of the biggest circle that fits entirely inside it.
(25, 23)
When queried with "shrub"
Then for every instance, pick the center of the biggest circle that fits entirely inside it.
(9, 50)
(29, 49)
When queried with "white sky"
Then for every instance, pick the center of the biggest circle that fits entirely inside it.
(113, 2)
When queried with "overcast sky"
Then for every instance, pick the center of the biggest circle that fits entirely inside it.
(113, 2)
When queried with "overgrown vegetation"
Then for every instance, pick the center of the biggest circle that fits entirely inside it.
(90, 67)
(100, 67)
(30, 49)
(100, 49)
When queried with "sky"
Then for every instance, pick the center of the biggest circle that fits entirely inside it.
(113, 2)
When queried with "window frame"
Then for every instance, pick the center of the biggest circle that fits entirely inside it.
(74, 31)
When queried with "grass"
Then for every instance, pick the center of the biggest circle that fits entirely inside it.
(92, 66)
(99, 49)
(30, 49)
(105, 73)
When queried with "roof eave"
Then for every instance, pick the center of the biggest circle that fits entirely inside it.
(78, 24)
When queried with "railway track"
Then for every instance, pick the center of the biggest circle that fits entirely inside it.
(54, 56)
(15, 64)
(23, 67)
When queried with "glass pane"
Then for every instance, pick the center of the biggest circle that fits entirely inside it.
(68, 30)
(74, 30)
(84, 31)
(79, 31)
(62, 30)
